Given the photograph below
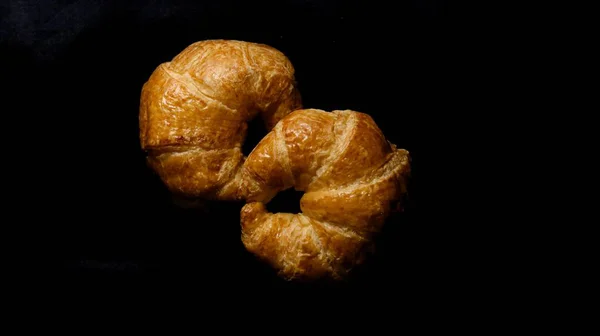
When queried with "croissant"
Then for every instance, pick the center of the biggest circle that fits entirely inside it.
(351, 177)
(194, 113)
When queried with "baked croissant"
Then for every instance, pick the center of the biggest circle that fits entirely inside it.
(194, 112)
(351, 176)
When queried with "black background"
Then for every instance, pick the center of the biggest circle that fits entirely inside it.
(75, 71)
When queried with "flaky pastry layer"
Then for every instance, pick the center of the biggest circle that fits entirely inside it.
(194, 112)
(352, 177)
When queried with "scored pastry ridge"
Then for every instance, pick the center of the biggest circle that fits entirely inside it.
(340, 216)
(199, 104)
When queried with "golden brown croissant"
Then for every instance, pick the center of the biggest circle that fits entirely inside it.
(351, 176)
(194, 112)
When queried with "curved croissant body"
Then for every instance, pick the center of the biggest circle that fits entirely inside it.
(351, 176)
(194, 112)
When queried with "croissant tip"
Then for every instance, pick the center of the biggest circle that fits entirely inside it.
(250, 214)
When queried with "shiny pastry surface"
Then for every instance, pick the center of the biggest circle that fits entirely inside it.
(194, 113)
(352, 177)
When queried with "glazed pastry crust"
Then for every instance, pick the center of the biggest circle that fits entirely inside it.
(351, 176)
(194, 112)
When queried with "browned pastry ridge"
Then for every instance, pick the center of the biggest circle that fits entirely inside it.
(351, 177)
(194, 112)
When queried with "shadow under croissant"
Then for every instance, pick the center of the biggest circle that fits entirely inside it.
(184, 202)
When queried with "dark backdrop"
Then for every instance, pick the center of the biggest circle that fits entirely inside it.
(75, 71)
